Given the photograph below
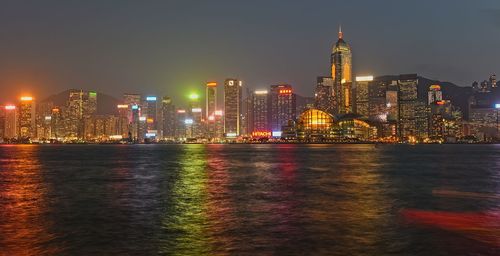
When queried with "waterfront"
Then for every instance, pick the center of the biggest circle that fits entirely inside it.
(243, 199)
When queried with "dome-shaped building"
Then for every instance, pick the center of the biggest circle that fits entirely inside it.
(314, 124)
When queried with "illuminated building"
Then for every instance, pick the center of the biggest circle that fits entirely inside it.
(352, 129)
(211, 98)
(168, 118)
(218, 119)
(362, 96)
(434, 94)
(135, 122)
(493, 81)
(2, 123)
(232, 107)
(246, 125)
(43, 120)
(27, 117)
(210, 107)
(324, 98)
(101, 127)
(422, 113)
(89, 104)
(483, 121)
(315, 125)
(181, 127)
(341, 66)
(391, 100)
(10, 122)
(260, 111)
(131, 99)
(122, 125)
(142, 128)
(82, 105)
(407, 99)
(282, 106)
(151, 114)
(377, 99)
(195, 129)
(57, 124)
(436, 129)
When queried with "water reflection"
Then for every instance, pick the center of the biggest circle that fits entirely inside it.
(23, 202)
(350, 201)
(186, 219)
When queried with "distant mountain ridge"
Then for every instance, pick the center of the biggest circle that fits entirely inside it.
(106, 105)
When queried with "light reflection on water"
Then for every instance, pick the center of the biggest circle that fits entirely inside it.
(242, 199)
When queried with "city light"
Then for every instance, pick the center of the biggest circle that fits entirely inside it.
(116, 137)
(10, 107)
(122, 106)
(135, 107)
(194, 96)
(188, 121)
(435, 87)
(212, 84)
(181, 111)
(150, 120)
(196, 110)
(277, 133)
(219, 113)
(364, 78)
(26, 98)
(260, 92)
(150, 135)
(151, 98)
(497, 106)
(48, 118)
(262, 134)
(211, 118)
(142, 118)
(231, 135)
(285, 91)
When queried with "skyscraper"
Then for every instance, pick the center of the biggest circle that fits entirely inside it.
(2, 123)
(341, 66)
(362, 96)
(151, 105)
(11, 122)
(210, 107)
(210, 98)
(57, 124)
(195, 114)
(82, 105)
(122, 126)
(168, 118)
(260, 111)
(282, 106)
(232, 107)
(407, 99)
(131, 99)
(324, 96)
(434, 94)
(27, 117)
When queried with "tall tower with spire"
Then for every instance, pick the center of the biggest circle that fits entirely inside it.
(341, 66)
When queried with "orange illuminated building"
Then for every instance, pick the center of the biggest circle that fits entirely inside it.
(341, 68)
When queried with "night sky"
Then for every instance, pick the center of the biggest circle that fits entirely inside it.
(173, 47)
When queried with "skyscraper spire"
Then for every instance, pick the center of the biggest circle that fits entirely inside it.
(340, 32)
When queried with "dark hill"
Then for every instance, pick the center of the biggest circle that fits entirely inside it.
(458, 95)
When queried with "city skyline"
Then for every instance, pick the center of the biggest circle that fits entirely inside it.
(271, 54)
